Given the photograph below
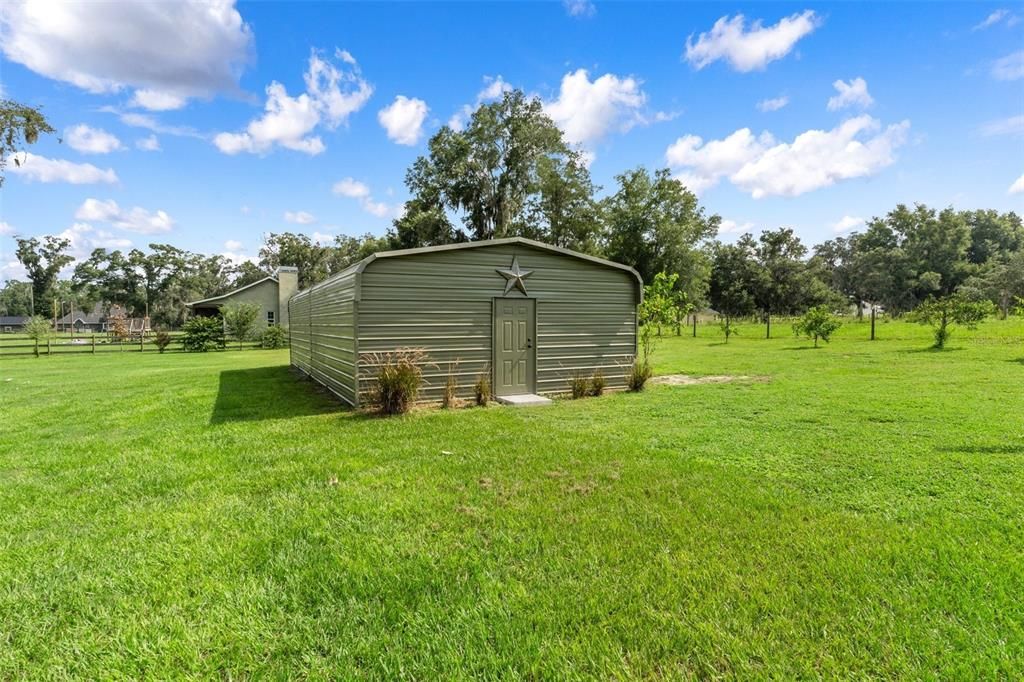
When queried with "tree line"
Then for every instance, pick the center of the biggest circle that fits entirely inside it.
(510, 172)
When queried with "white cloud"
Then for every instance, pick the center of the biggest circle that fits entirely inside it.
(403, 119)
(763, 166)
(1017, 187)
(494, 88)
(1010, 67)
(1014, 125)
(84, 238)
(13, 269)
(846, 223)
(135, 220)
(5, 228)
(245, 210)
(588, 110)
(749, 50)
(732, 227)
(579, 8)
(154, 100)
(322, 238)
(854, 93)
(332, 94)
(773, 104)
(354, 189)
(299, 217)
(180, 49)
(42, 169)
(234, 253)
(88, 140)
(148, 144)
(137, 120)
(996, 17)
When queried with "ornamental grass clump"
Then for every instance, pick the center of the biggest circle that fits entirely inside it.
(597, 383)
(482, 388)
(399, 377)
(579, 386)
(638, 374)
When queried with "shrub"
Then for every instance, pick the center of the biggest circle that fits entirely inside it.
(597, 383)
(727, 327)
(399, 376)
(203, 334)
(274, 337)
(818, 322)
(639, 372)
(162, 340)
(482, 388)
(579, 385)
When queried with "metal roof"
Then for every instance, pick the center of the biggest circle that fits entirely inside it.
(361, 265)
(272, 278)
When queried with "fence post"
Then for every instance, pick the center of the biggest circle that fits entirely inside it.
(49, 350)
(872, 322)
(94, 344)
(37, 347)
(142, 341)
(695, 325)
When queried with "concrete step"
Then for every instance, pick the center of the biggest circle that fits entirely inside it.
(524, 400)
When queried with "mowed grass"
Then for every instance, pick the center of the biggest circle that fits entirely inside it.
(860, 513)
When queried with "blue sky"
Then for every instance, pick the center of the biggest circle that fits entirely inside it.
(802, 115)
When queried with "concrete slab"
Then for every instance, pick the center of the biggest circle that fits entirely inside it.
(525, 400)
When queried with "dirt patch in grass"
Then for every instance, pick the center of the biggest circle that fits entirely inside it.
(687, 380)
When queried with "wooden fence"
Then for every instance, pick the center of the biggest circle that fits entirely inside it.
(95, 344)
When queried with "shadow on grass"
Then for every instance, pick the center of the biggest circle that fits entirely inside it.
(1019, 361)
(1002, 449)
(929, 349)
(269, 393)
(802, 348)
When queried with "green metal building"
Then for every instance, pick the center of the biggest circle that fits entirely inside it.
(530, 314)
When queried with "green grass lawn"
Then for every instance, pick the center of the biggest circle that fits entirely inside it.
(860, 513)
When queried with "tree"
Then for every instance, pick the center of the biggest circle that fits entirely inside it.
(37, 328)
(20, 125)
(944, 312)
(993, 235)
(785, 284)
(350, 250)
(1000, 280)
(246, 273)
(509, 173)
(818, 322)
(734, 273)
(659, 303)
(16, 298)
(240, 319)
(654, 224)
(43, 261)
(298, 250)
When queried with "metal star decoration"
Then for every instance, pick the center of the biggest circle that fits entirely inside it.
(514, 277)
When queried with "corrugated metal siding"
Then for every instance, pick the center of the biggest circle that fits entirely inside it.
(442, 302)
(323, 339)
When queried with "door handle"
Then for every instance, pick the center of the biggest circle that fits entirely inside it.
(529, 343)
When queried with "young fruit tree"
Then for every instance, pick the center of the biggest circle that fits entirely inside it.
(817, 323)
(941, 314)
(38, 329)
(240, 320)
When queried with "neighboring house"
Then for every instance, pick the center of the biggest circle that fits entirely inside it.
(98, 321)
(534, 316)
(270, 293)
(10, 324)
(84, 322)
